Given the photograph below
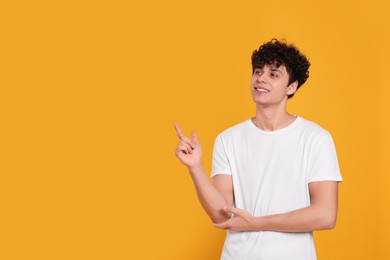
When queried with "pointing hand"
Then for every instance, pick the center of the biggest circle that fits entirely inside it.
(188, 150)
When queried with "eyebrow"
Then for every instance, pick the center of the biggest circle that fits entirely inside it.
(276, 69)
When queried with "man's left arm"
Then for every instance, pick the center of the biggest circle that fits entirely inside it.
(320, 215)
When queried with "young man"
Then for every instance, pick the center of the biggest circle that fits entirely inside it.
(275, 175)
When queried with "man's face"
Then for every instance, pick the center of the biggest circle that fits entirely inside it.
(269, 85)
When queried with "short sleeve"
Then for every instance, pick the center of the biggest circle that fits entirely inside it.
(220, 163)
(323, 162)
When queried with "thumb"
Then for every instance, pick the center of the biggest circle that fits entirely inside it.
(194, 137)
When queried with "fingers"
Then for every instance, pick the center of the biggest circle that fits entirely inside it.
(185, 147)
(178, 130)
(235, 212)
(232, 210)
(188, 141)
(222, 225)
(182, 137)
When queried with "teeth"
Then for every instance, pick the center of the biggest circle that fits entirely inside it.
(262, 90)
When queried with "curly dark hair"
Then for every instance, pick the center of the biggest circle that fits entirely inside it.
(279, 53)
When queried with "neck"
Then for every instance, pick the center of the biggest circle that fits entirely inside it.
(271, 119)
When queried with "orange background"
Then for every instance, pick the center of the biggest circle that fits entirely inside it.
(89, 91)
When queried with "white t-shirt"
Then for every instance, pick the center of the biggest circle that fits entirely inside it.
(271, 171)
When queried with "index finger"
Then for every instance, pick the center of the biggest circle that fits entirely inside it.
(178, 130)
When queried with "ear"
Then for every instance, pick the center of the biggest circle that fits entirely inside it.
(292, 88)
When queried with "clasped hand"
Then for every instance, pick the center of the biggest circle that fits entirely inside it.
(240, 220)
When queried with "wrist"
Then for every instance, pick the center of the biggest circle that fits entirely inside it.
(196, 167)
(258, 223)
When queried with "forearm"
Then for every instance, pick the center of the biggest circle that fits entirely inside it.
(320, 215)
(209, 197)
(306, 219)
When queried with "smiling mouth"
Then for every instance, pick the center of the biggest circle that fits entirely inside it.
(262, 90)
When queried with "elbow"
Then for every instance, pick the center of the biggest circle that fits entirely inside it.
(328, 222)
(219, 216)
(329, 225)
(217, 220)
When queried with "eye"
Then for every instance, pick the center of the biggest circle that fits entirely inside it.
(274, 75)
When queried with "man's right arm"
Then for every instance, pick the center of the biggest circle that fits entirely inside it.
(213, 197)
